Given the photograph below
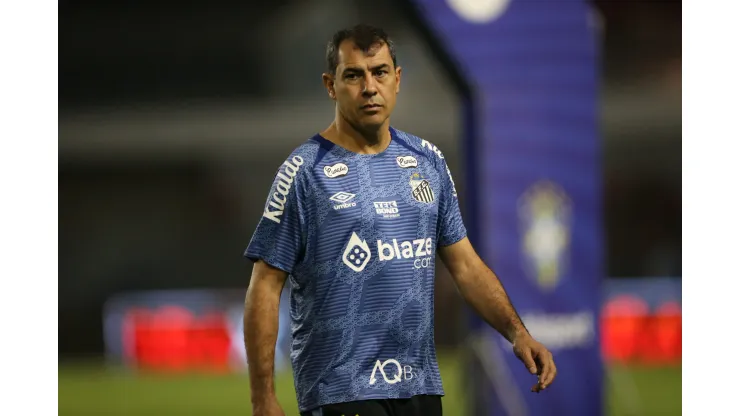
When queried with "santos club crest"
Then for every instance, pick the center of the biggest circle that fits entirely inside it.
(421, 189)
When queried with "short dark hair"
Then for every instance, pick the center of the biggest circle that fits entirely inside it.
(364, 36)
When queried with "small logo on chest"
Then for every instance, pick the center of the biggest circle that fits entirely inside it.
(387, 209)
(340, 169)
(343, 198)
(407, 161)
(421, 189)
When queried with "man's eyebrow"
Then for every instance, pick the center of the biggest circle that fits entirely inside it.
(354, 69)
(381, 66)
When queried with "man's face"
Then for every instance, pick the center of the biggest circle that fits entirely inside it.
(364, 85)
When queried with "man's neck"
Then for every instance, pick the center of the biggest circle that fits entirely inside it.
(342, 133)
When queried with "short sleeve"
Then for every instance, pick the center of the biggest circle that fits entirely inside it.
(278, 239)
(450, 226)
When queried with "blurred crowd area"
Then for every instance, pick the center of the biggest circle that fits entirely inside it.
(174, 118)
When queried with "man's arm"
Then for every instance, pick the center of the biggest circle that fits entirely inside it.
(260, 334)
(482, 290)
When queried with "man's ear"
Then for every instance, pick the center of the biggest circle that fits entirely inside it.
(328, 81)
(398, 79)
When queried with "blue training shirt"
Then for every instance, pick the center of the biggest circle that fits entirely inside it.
(358, 234)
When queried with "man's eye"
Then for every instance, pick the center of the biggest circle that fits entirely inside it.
(381, 73)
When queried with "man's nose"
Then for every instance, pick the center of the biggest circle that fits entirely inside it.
(370, 86)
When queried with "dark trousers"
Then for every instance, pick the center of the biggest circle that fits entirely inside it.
(422, 405)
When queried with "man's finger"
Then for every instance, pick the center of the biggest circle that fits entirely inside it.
(553, 372)
(529, 361)
(547, 376)
(538, 387)
(543, 358)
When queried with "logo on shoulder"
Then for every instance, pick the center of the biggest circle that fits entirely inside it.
(407, 161)
(340, 169)
(421, 189)
(356, 254)
(283, 183)
(432, 147)
(436, 150)
(454, 191)
(343, 198)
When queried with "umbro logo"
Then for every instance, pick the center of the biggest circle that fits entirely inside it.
(343, 198)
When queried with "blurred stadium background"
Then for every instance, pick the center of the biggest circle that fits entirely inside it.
(173, 119)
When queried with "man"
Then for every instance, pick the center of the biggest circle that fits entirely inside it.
(355, 217)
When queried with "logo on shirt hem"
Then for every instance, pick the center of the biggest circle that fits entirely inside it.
(406, 371)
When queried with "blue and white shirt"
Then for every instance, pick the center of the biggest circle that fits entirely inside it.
(358, 235)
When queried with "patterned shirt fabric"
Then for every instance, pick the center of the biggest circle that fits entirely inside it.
(358, 234)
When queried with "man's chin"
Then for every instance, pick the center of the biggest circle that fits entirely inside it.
(372, 122)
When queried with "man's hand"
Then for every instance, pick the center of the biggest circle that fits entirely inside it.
(482, 289)
(267, 407)
(537, 359)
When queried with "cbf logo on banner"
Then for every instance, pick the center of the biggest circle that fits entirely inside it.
(533, 189)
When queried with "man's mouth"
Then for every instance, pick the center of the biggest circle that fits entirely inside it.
(371, 106)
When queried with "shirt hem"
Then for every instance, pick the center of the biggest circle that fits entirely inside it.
(378, 396)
